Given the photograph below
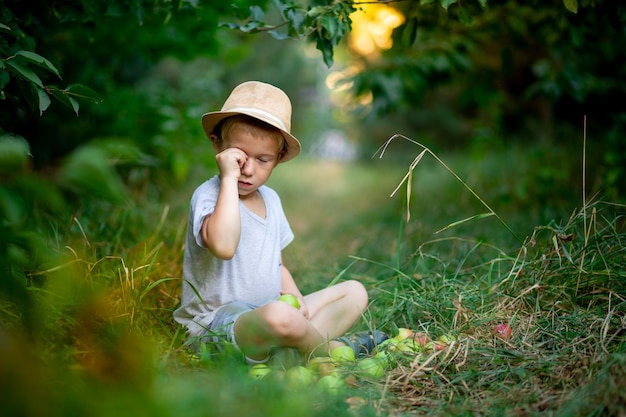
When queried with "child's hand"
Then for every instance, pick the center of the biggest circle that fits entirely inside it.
(230, 161)
(303, 308)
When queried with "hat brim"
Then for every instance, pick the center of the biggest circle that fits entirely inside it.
(210, 120)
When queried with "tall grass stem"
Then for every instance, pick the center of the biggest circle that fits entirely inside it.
(408, 177)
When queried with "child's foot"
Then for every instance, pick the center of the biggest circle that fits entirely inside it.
(363, 343)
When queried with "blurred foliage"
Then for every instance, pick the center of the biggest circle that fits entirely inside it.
(325, 23)
(62, 177)
(484, 75)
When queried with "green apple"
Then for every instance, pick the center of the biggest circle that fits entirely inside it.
(383, 356)
(299, 377)
(290, 299)
(408, 345)
(343, 354)
(322, 365)
(404, 333)
(331, 383)
(371, 367)
(259, 371)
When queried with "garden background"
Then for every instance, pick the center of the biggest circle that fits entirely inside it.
(464, 160)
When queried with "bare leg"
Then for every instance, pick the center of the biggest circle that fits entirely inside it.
(276, 324)
(332, 311)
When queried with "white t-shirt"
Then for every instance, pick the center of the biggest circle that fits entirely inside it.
(252, 276)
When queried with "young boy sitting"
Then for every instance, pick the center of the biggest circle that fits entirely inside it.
(233, 270)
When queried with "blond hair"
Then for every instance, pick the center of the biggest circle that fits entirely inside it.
(253, 125)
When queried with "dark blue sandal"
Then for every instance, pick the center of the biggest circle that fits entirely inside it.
(363, 343)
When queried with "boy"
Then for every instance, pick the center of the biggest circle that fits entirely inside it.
(233, 271)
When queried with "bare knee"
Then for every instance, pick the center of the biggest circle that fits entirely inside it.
(284, 321)
(357, 293)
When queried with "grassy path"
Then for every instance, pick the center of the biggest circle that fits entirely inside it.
(337, 210)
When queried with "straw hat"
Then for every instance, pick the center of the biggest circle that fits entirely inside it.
(261, 101)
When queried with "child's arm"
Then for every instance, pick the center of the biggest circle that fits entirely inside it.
(289, 287)
(222, 229)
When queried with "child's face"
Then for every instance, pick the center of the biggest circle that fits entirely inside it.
(262, 151)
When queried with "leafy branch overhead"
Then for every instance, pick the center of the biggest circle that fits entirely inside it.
(324, 25)
(26, 67)
(327, 25)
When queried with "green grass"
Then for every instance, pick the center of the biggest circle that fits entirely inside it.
(102, 341)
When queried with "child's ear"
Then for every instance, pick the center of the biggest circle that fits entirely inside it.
(216, 142)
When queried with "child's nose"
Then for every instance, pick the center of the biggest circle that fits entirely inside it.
(248, 167)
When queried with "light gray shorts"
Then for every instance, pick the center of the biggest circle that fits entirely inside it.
(221, 331)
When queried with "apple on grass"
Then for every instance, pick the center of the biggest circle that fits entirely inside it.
(343, 354)
(331, 383)
(371, 367)
(290, 299)
(383, 356)
(503, 331)
(404, 333)
(259, 371)
(409, 346)
(299, 377)
(323, 365)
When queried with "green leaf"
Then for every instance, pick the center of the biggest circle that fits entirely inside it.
(278, 35)
(39, 60)
(44, 100)
(446, 3)
(4, 78)
(83, 92)
(88, 171)
(122, 152)
(316, 11)
(326, 48)
(6, 29)
(24, 72)
(409, 32)
(12, 205)
(248, 27)
(464, 16)
(296, 19)
(74, 104)
(64, 98)
(571, 5)
(14, 152)
(331, 25)
(256, 13)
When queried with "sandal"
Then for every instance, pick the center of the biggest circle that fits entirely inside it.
(363, 343)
